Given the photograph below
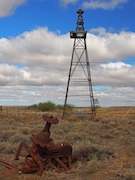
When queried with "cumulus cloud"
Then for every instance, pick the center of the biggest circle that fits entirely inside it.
(115, 96)
(35, 64)
(41, 53)
(43, 47)
(37, 46)
(114, 74)
(7, 7)
(96, 4)
(118, 46)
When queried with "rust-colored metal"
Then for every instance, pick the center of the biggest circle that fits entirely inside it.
(11, 168)
(44, 153)
(7, 165)
(49, 120)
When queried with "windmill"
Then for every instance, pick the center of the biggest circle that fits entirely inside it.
(79, 71)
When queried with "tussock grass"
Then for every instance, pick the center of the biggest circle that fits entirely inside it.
(7, 148)
(100, 141)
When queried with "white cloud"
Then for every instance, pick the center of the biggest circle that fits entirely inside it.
(44, 48)
(34, 66)
(115, 96)
(114, 74)
(112, 4)
(118, 46)
(36, 47)
(8, 6)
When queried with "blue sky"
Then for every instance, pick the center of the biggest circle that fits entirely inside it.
(35, 49)
(57, 16)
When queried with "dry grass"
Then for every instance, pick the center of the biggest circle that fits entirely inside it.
(106, 141)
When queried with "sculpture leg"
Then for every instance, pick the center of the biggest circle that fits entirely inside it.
(49, 163)
(60, 163)
(39, 162)
(22, 145)
(69, 162)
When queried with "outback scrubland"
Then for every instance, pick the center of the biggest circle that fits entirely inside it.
(108, 139)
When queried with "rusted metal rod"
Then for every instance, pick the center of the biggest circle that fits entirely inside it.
(7, 165)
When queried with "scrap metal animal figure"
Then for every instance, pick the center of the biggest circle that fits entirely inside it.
(44, 153)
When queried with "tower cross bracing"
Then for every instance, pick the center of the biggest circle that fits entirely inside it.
(79, 71)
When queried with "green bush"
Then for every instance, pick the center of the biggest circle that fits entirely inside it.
(46, 106)
(49, 106)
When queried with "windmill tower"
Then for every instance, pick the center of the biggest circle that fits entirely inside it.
(79, 72)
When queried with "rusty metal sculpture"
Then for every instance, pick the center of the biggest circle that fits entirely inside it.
(44, 153)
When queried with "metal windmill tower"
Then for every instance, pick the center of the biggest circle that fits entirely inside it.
(79, 72)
